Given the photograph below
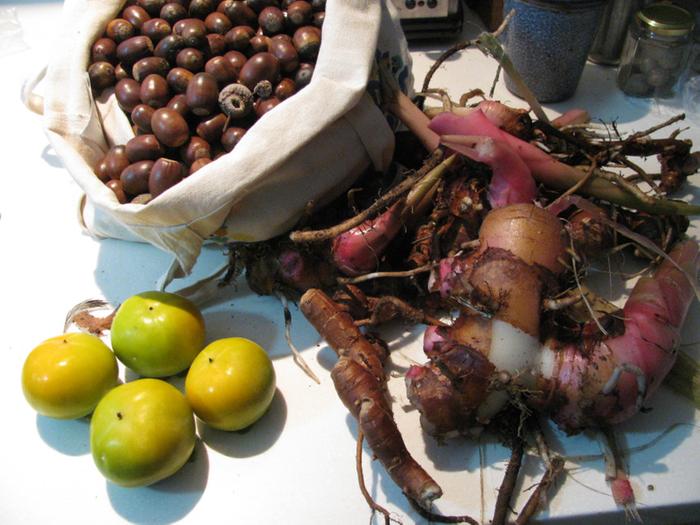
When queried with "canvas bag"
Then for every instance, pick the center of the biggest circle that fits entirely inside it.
(310, 148)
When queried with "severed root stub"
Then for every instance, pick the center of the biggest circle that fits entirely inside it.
(360, 381)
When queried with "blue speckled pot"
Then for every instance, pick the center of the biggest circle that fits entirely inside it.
(548, 41)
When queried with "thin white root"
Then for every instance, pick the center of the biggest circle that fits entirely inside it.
(632, 369)
(296, 355)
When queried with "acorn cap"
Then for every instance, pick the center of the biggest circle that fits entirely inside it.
(666, 19)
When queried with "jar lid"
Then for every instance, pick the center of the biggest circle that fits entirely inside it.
(666, 19)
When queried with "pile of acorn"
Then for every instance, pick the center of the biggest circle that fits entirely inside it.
(193, 76)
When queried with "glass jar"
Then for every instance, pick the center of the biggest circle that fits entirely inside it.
(656, 51)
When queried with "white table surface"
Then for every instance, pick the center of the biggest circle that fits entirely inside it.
(297, 464)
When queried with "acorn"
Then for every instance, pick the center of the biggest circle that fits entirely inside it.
(116, 187)
(216, 44)
(232, 137)
(128, 94)
(218, 23)
(203, 94)
(170, 127)
(238, 38)
(211, 128)
(148, 66)
(236, 59)
(271, 20)
(238, 13)
(120, 30)
(120, 73)
(169, 47)
(307, 40)
(259, 5)
(222, 70)
(165, 174)
(101, 75)
(134, 49)
(299, 13)
(104, 50)
(195, 148)
(178, 79)
(152, 7)
(191, 59)
(318, 18)
(141, 116)
(303, 75)
(201, 8)
(286, 53)
(264, 105)
(154, 91)
(143, 147)
(261, 66)
(111, 165)
(192, 30)
(179, 104)
(156, 29)
(172, 12)
(285, 89)
(135, 177)
(198, 164)
(260, 44)
(135, 15)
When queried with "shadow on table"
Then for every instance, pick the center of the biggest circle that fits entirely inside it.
(68, 436)
(167, 501)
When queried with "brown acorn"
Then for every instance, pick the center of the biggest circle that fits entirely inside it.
(195, 148)
(201, 8)
(285, 89)
(216, 45)
(104, 50)
(112, 164)
(172, 12)
(303, 75)
(238, 38)
(141, 117)
(178, 79)
(165, 174)
(236, 59)
(191, 59)
(203, 94)
(238, 12)
(198, 164)
(192, 30)
(179, 104)
(271, 20)
(134, 49)
(286, 53)
(135, 177)
(169, 47)
(307, 40)
(120, 30)
(148, 66)
(170, 127)
(222, 70)
(299, 13)
(156, 29)
(116, 187)
(143, 147)
(128, 95)
(231, 137)
(101, 75)
(154, 91)
(264, 105)
(217, 23)
(261, 66)
(211, 128)
(152, 7)
(135, 15)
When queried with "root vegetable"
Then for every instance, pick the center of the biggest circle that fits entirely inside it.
(359, 379)
(590, 383)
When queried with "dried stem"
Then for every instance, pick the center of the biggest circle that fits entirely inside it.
(439, 518)
(665, 123)
(385, 200)
(376, 507)
(381, 275)
(538, 496)
(505, 492)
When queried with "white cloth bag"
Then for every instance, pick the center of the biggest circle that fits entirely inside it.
(310, 148)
